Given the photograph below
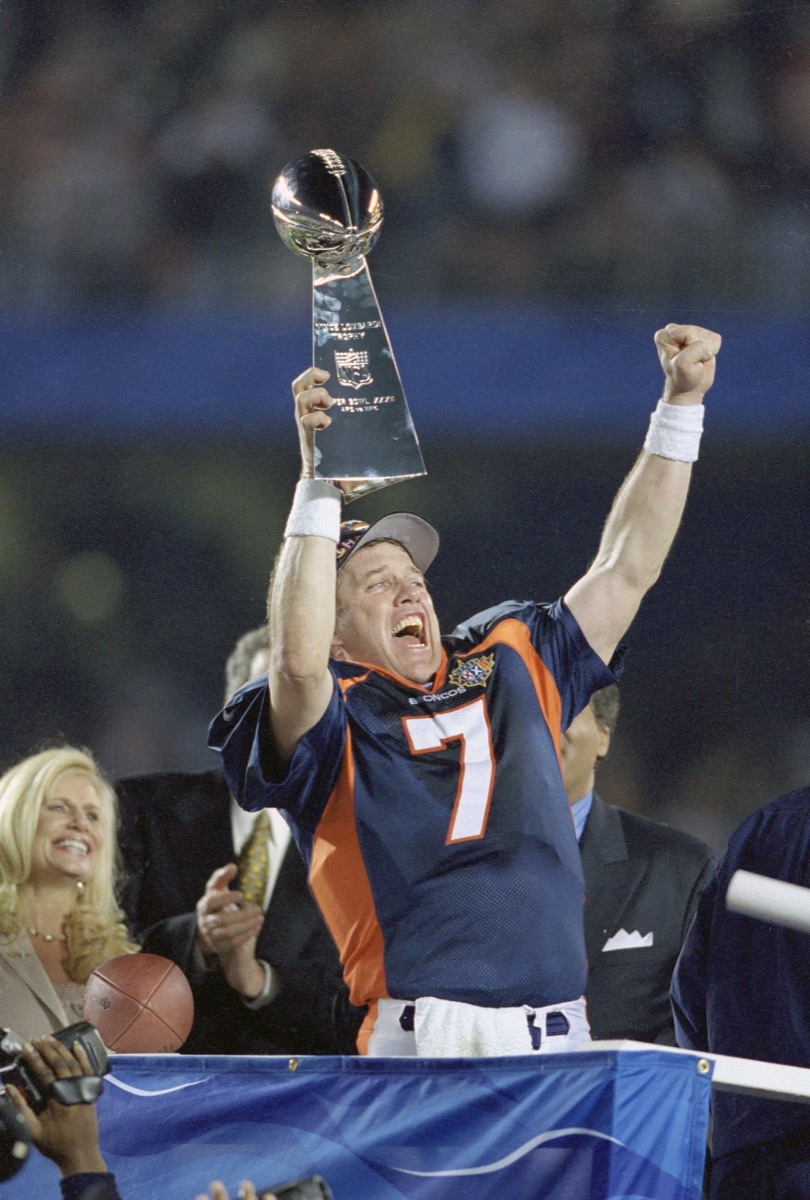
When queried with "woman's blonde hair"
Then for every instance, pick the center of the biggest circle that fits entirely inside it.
(95, 928)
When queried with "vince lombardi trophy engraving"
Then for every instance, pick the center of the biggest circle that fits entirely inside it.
(327, 208)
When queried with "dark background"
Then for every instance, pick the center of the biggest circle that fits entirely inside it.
(560, 180)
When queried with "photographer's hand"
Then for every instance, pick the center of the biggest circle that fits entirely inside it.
(67, 1134)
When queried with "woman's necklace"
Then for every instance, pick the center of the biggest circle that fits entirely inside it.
(47, 937)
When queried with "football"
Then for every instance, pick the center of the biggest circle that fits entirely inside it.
(140, 1004)
(327, 207)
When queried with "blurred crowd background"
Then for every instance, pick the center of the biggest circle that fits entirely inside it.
(526, 148)
(639, 157)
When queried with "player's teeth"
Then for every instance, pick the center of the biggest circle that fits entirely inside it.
(409, 623)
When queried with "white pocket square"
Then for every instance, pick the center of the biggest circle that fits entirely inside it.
(628, 941)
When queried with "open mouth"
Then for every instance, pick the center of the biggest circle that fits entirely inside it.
(75, 847)
(410, 627)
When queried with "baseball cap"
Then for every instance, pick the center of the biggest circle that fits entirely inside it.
(418, 537)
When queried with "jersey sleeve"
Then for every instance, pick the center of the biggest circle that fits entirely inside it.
(556, 637)
(240, 735)
(578, 669)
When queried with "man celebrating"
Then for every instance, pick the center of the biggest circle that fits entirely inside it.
(421, 776)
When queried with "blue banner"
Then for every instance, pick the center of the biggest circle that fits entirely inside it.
(518, 373)
(606, 1125)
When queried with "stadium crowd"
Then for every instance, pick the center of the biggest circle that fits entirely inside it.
(558, 150)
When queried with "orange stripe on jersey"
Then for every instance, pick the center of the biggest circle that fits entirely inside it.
(339, 883)
(345, 684)
(438, 679)
(516, 634)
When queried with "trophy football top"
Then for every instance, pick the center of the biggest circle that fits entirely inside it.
(328, 208)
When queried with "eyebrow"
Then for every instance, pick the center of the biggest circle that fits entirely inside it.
(386, 570)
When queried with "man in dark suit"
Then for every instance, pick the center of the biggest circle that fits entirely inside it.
(265, 974)
(642, 884)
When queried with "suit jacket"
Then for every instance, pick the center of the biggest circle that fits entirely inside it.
(175, 830)
(28, 1001)
(644, 878)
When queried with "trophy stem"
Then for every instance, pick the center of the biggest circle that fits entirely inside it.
(372, 441)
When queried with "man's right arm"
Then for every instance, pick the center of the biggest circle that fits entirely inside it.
(301, 603)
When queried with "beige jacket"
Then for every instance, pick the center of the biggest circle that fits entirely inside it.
(28, 1001)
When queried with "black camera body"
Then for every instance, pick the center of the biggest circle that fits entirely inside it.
(82, 1089)
(15, 1139)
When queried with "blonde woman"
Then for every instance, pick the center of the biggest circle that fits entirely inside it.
(58, 913)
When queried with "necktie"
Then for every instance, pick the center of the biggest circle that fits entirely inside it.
(253, 863)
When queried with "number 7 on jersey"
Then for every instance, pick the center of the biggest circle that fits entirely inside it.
(468, 725)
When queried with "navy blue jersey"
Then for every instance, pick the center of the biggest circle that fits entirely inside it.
(434, 819)
(742, 986)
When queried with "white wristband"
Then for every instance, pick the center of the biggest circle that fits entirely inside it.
(316, 510)
(675, 431)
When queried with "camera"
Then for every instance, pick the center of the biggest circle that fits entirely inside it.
(314, 1187)
(81, 1089)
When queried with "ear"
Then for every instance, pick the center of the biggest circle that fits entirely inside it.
(336, 649)
(603, 745)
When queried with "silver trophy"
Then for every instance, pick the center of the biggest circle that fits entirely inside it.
(328, 209)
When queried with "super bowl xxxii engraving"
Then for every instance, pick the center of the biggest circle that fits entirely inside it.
(327, 208)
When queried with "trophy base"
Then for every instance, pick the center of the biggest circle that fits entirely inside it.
(353, 488)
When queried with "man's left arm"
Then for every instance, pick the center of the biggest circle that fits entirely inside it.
(704, 874)
(690, 980)
(647, 511)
